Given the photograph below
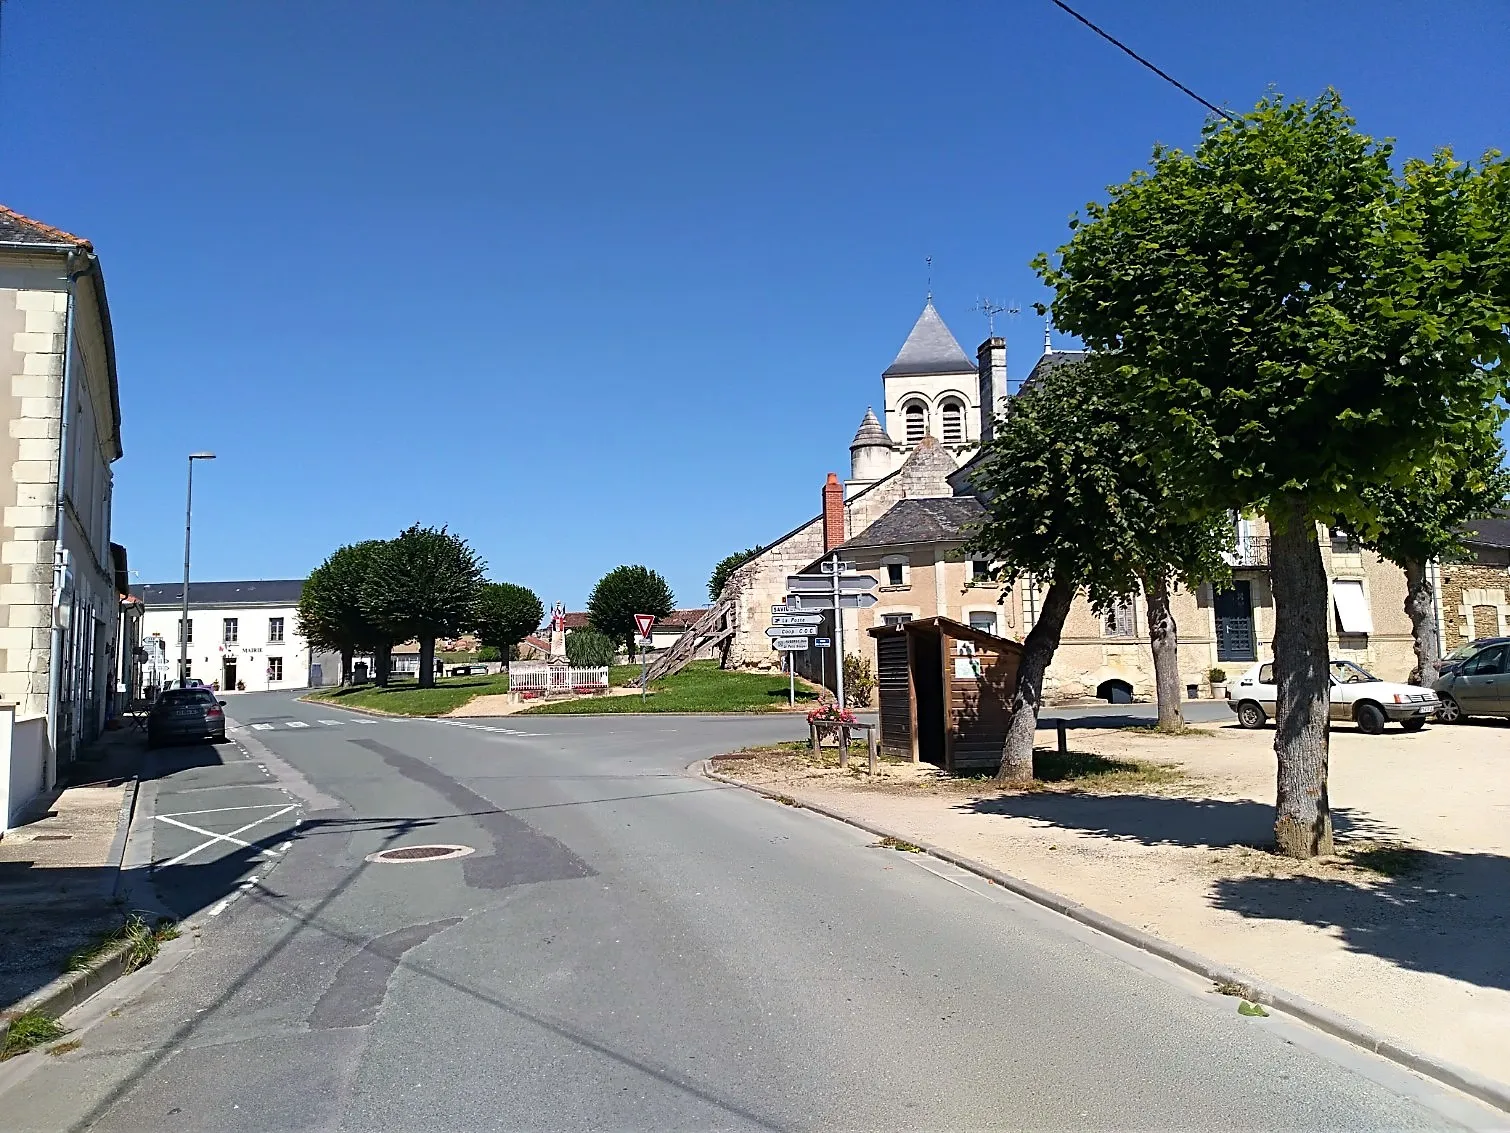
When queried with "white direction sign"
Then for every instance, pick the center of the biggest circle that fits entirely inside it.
(817, 584)
(790, 644)
(796, 619)
(826, 601)
(791, 631)
(785, 609)
(828, 566)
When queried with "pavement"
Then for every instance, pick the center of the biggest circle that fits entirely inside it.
(630, 946)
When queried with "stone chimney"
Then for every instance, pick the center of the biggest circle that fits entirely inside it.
(991, 368)
(833, 513)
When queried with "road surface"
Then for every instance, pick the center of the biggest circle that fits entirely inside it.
(628, 946)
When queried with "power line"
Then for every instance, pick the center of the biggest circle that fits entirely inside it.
(1117, 43)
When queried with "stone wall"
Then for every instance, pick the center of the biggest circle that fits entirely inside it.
(1474, 604)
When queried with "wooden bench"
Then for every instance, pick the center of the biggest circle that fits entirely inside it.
(815, 728)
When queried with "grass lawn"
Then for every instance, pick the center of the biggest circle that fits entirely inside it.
(406, 698)
(701, 687)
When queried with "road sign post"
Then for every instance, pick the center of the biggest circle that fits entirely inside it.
(643, 622)
(837, 574)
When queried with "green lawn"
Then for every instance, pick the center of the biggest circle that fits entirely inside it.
(701, 687)
(405, 698)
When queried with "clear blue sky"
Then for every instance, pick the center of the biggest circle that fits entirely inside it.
(601, 283)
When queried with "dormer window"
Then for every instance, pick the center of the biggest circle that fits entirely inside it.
(917, 421)
(954, 423)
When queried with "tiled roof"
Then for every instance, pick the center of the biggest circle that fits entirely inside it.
(930, 349)
(261, 592)
(936, 520)
(18, 229)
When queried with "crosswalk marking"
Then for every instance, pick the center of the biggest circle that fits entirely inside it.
(263, 727)
(297, 724)
(331, 723)
(490, 728)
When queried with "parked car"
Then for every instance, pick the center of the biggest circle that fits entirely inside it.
(186, 714)
(1356, 695)
(1475, 681)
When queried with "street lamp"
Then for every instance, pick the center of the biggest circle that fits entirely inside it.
(183, 624)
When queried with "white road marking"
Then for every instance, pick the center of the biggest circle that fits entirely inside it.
(489, 728)
(220, 908)
(213, 837)
(297, 724)
(263, 727)
(331, 723)
(219, 809)
(950, 880)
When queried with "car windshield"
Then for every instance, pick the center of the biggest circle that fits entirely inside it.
(178, 697)
(1350, 674)
(1461, 652)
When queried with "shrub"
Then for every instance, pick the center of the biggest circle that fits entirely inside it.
(859, 681)
(491, 653)
(589, 648)
(1217, 676)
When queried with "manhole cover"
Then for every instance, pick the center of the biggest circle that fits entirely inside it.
(420, 854)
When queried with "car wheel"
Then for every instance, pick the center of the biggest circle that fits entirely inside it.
(1370, 719)
(1450, 712)
(1414, 725)
(1250, 715)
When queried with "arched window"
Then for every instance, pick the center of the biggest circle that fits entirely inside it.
(954, 423)
(917, 421)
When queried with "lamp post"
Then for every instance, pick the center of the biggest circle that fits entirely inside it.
(183, 625)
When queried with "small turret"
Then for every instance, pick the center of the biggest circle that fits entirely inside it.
(871, 452)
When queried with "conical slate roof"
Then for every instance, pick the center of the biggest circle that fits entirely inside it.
(930, 349)
(870, 433)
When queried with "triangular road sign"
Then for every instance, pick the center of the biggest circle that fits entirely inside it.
(643, 622)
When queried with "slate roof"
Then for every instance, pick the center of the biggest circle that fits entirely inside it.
(1488, 532)
(18, 229)
(870, 432)
(930, 349)
(920, 521)
(259, 592)
(1051, 361)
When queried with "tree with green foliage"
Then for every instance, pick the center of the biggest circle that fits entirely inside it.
(423, 585)
(330, 613)
(1426, 520)
(589, 649)
(506, 614)
(493, 653)
(621, 594)
(727, 566)
(1070, 503)
(1296, 323)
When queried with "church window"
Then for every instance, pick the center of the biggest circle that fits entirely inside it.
(917, 421)
(954, 423)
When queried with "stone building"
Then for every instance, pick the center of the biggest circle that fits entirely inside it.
(903, 516)
(61, 579)
(1471, 594)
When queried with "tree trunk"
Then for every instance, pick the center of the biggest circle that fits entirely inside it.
(1163, 637)
(346, 666)
(1302, 815)
(1421, 608)
(1038, 651)
(382, 665)
(427, 662)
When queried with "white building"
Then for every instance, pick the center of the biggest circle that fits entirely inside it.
(60, 577)
(243, 636)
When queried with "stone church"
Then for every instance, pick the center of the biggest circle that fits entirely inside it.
(903, 515)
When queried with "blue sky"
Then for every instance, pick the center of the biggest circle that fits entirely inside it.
(602, 283)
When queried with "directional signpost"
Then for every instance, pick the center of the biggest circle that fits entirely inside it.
(838, 589)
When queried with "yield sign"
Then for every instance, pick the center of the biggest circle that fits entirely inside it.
(643, 622)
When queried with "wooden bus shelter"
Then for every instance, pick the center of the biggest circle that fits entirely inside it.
(946, 693)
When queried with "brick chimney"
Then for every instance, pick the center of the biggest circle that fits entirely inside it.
(833, 513)
(991, 368)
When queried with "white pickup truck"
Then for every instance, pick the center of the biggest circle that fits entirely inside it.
(1356, 695)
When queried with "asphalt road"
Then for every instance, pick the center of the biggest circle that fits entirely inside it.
(631, 947)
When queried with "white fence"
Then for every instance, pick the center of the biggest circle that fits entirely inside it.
(547, 677)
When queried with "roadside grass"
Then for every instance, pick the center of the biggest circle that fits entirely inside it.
(30, 1029)
(1182, 731)
(64, 1048)
(1084, 770)
(1388, 859)
(406, 698)
(701, 687)
(142, 942)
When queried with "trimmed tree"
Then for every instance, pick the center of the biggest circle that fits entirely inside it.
(505, 615)
(330, 613)
(424, 585)
(1297, 324)
(1071, 502)
(727, 566)
(1425, 520)
(589, 649)
(621, 594)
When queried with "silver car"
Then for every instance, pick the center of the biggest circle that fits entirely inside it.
(1356, 695)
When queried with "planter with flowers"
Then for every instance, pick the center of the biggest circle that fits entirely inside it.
(829, 717)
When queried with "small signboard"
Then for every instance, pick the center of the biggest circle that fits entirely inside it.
(828, 566)
(826, 601)
(818, 584)
(796, 619)
(822, 642)
(791, 631)
(643, 622)
(789, 644)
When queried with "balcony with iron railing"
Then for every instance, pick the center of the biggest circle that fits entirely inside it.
(1249, 552)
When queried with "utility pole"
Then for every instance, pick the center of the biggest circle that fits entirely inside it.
(183, 625)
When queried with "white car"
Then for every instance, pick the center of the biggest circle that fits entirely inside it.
(1356, 695)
